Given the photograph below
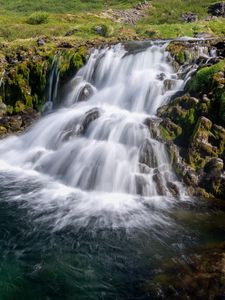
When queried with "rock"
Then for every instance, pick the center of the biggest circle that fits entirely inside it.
(215, 164)
(168, 130)
(199, 274)
(191, 178)
(200, 148)
(219, 136)
(161, 76)
(65, 45)
(169, 84)
(141, 184)
(144, 169)
(89, 117)
(147, 155)
(203, 35)
(86, 92)
(3, 131)
(153, 126)
(40, 42)
(71, 32)
(172, 187)
(220, 47)
(158, 179)
(217, 9)
(3, 109)
(100, 30)
(15, 123)
(189, 17)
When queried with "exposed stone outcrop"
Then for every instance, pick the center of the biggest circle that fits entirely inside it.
(193, 126)
(217, 9)
(129, 16)
(189, 17)
(24, 81)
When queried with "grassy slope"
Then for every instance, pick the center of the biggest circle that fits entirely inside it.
(163, 20)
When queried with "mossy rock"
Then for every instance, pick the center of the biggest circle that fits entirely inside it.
(211, 81)
(169, 131)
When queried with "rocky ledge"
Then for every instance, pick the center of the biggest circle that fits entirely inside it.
(193, 123)
(25, 82)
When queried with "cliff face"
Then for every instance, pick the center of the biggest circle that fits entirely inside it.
(192, 123)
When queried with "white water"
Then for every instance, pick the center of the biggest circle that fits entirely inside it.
(88, 156)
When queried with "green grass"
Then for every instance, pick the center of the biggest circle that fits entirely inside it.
(163, 20)
(59, 6)
(169, 11)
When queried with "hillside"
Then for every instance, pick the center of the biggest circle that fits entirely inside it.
(23, 19)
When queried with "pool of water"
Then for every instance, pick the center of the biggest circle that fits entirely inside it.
(42, 261)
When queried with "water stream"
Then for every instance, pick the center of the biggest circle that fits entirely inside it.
(87, 208)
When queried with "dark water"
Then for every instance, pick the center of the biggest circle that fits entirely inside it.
(40, 263)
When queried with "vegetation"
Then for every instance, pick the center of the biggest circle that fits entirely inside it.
(23, 19)
(38, 18)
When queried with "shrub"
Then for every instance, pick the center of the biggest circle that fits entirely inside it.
(38, 18)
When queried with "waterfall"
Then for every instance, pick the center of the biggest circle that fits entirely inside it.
(94, 157)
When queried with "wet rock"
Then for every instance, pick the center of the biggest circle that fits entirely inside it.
(147, 155)
(219, 137)
(189, 17)
(89, 117)
(220, 47)
(161, 76)
(168, 130)
(217, 9)
(169, 84)
(196, 275)
(172, 187)
(85, 93)
(200, 149)
(191, 178)
(3, 131)
(141, 184)
(153, 125)
(144, 169)
(158, 179)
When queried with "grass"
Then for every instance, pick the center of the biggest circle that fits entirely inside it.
(58, 6)
(163, 19)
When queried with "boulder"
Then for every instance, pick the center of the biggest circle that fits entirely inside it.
(189, 17)
(147, 155)
(214, 165)
(86, 92)
(217, 9)
(158, 179)
(168, 130)
(172, 187)
(89, 117)
(200, 150)
(101, 30)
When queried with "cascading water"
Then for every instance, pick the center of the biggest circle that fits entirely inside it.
(98, 147)
(88, 197)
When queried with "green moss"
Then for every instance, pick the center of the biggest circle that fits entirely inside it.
(19, 107)
(203, 81)
(211, 80)
(169, 131)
